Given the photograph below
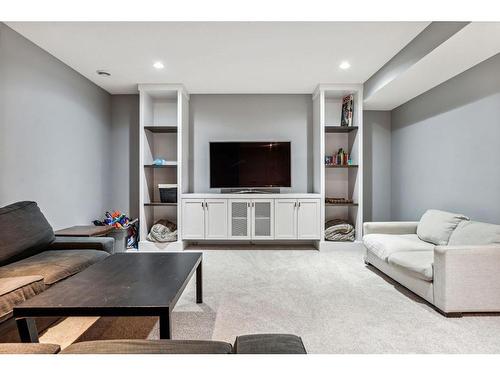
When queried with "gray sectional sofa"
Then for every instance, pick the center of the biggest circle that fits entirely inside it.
(32, 259)
(445, 258)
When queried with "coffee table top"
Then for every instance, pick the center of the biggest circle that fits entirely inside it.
(129, 283)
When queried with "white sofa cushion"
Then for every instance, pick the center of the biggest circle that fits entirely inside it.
(436, 226)
(416, 263)
(475, 233)
(383, 245)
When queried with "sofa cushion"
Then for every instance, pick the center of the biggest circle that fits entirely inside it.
(149, 347)
(18, 348)
(436, 226)
(416, 263)
(53, 265)
(383, 245)
(14, 290)
(25, 231)
(269, 344)
(475, 233)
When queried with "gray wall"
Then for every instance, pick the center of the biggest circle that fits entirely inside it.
(377, 165)
(124, 154)
(251, 118)
(54, 134)
(446, 148)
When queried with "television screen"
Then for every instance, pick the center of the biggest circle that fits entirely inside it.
(249, 164)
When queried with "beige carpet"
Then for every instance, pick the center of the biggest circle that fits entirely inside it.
(330, 298)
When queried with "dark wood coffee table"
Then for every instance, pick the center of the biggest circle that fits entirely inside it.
(121, 285)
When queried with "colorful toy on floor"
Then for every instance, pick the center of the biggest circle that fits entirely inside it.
(121, 221)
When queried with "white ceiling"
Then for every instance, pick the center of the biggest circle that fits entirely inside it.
(222, 57)
(473, 44)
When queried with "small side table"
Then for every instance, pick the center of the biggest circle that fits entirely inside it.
(84, 231)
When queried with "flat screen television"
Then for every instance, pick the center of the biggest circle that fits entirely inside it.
(249, 164)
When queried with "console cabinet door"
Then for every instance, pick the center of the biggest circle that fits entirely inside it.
(216, 219)
(308, 218)
(193, 219)
(239, 219)
(262, 219)
(285, 219)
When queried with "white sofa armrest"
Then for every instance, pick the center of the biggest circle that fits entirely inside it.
(390, 227)
(467, 278)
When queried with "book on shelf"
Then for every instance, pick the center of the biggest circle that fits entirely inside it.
(347, 110)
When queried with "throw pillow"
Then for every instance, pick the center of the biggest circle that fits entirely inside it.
(436, 226)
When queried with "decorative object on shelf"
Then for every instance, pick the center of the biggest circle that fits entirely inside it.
(338, 201)
(340, 158)
(163, 231)
(347, 110)
(168, 193)
(160, 161)
(339, 230)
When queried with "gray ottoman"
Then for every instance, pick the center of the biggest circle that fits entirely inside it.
(269, 344)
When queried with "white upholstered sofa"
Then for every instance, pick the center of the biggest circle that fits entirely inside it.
(445, 258)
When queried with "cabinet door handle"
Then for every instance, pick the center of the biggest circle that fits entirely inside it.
(202, 205)
(299, 204)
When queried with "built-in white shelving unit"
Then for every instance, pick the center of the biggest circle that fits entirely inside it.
(202, 216)
(339, 181)
(164, 133)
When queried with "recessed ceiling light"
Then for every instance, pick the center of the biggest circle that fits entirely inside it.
(103, 73)
(158, 65)
(344, 65)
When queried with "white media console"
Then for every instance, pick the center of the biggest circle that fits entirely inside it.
(251, 217)
(203, 215)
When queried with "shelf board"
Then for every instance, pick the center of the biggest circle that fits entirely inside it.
(342, 166)
(160, 166)
(341, 204)
(340, 129)
(162, 129)
(159, 204)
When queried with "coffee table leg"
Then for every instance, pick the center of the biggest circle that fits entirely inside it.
(27, 330)
(199, 284)
(165, 326)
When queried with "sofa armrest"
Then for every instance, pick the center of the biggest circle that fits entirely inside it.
(466, 278)
(29, 348)
(390, 227)
(96, 243)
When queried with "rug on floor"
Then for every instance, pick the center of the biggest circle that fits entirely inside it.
(330, 298)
